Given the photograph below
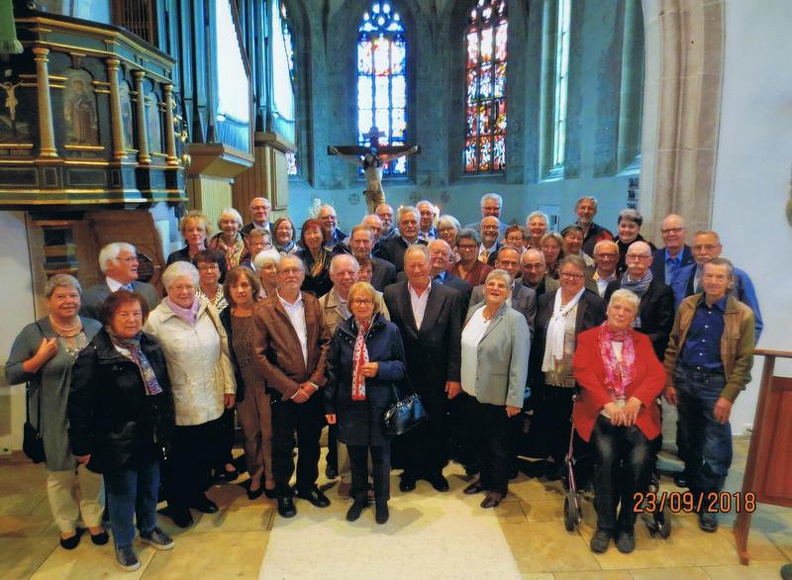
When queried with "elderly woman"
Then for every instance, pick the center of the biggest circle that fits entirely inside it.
(285, 236)
(536, 227)
(121, 418)
(560, 316)
(194, 228)
(630, 221)
(552, 246)
(256, 242)
(448, 228)
(196, 350)
(267, 268)
(495, 345)
(469, 267)
(366, 357)
(573, 244)
(252, 402)
(209, 287)
(316, 258)
(620, 379)
(229, 239)
(42, 356)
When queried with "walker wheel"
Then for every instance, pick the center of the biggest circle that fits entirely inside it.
(572, 511)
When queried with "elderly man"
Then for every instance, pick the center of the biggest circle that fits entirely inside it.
(491, 205)
(708, 363)
(385, 213)
(393, 250)
(118, 262)
(586, 209)
(441, 258)
(534, 273)
(290, 342)
(488, 250)
(333, 237)
(656, 310)
(374, 223)
(523, 299)
(260, 208)
(428, 213)
(606, 258)
(688, 279)
(429, 318)
(676, 253)
(361, 242)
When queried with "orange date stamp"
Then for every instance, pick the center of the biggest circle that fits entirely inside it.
(716, 502)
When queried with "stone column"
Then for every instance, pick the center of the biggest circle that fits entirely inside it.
(140, 106)
(46, 127)
(119, 144)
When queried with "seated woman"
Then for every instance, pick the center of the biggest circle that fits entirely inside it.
(316, 258)
(252, 401)
(229, 239)
(196, 351)
(42, 356)
(120, 421)
(620, 379)
(285, 236)
(366, 357)
(495, 345)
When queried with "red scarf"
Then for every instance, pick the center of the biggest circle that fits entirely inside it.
(359, 358)
(618, 373)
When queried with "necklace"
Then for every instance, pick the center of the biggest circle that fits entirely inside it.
(67, 332)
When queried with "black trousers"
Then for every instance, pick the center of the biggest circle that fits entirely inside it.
(490, 431)
(306, 420)
(424, 450)
(380, 462)
(195, 450)
(557, 408)
(226, 439)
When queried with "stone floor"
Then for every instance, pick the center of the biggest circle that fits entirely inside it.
(233, 542)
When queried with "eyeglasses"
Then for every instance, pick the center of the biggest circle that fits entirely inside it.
(638, 257)
(183, 288)
(207, 267)
(571, 275)
(608, 256)
(671, 230)
(362, 301)
(466, 247)
(707, 247)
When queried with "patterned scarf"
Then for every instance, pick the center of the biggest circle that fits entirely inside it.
(556, 328)
(233, 253)
(139, 358)
(359, 358)
(638, 287)
(618, 373)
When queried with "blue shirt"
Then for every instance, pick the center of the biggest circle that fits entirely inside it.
(702, 345)
(440, 278)
(672, 265)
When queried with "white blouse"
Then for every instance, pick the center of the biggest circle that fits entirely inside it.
(471, 337)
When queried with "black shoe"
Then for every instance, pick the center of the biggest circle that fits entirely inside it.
(555, 472)
(600, 541)
(407, 482)
(331, 472)
(74, 541)
(180, 516)
(270, 493)
(472, 469)
(286, 507)
(625, 541)
(101, 538)
(382, 513)
(708, 522)
(354, 512)
(681, 480)
(224, 475)
(473, 488)
(492, 500)
(157, 539)
(127, 558)
(315, 497)
(254, 493)
(204, 505)
(437, 481)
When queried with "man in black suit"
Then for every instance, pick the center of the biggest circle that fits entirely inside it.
(429, 318)
(523, 299)
(119, 263)
(441, 258)
(534, 273)
(260, 208)
(393, 250)
(361, 241)
(676, 254)
(656, 312)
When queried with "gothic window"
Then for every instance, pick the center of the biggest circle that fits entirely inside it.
(382, 81)
(560, 84)
(232, 83)
(485, 84)
(284, 87)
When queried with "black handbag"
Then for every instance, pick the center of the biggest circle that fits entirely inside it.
(404, 414)
(32, 442)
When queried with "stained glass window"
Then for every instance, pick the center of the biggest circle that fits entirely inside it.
(485, 70)
(561, 82)
(284, 87)
(381, 81)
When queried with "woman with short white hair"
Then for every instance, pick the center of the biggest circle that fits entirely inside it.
(199, 366)
(229, 239)
(266, 265)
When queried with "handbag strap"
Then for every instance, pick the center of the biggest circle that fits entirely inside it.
(409, 385)
(29, 393)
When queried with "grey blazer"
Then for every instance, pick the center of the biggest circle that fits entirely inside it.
(523, 300)
(502, 358)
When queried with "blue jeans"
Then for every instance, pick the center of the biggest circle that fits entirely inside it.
(132, 493)
(709, 444)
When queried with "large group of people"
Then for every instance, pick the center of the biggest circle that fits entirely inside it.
(294, 328)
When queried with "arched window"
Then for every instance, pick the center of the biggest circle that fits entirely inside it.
(284, 87)
(382, 81)
(561, 84)
(485, 69)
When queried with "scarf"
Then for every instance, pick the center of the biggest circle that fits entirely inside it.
(556, 328)
(233, 253)
(618, 373)
(638, 287)
(359, 358)
(139, 358)
(319, 263)
(189, 315)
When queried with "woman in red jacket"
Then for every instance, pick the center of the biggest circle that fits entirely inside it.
(620, 379)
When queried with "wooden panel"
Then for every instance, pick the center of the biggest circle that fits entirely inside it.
(775, 483)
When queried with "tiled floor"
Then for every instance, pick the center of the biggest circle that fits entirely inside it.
(233, 542)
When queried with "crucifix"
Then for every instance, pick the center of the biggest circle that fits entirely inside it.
(371, 160)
